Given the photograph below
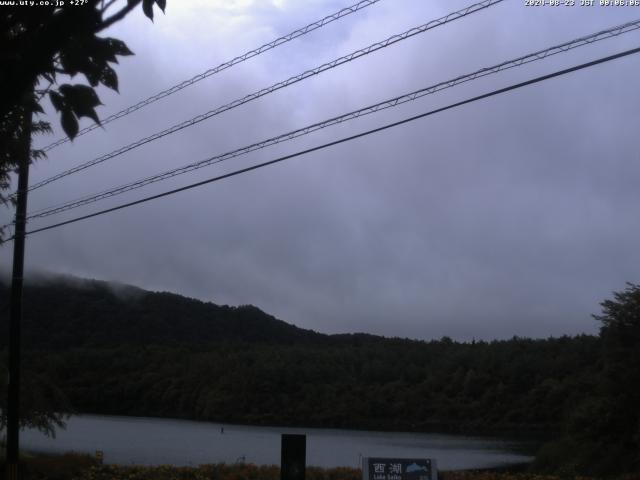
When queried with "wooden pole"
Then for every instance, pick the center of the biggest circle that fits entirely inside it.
(15, 305)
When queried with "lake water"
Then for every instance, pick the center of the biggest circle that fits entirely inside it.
(152, 441)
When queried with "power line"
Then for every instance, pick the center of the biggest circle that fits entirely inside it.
(277, 86)
(390, 103)
(345, 139)
(223, 66)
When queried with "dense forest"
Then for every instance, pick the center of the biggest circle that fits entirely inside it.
(114, 349)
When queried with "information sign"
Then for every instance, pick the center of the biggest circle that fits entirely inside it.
(399, 469)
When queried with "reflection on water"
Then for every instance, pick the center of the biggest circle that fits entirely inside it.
(151, 441)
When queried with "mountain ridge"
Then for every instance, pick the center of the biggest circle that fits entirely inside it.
(116, 349)
(102, 313)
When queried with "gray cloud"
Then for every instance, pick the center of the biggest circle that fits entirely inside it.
(510, 216)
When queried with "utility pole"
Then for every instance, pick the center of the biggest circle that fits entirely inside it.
(15, 305)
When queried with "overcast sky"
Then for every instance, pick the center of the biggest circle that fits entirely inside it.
(515, 215)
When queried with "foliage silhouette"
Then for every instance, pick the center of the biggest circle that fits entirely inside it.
(39, 44)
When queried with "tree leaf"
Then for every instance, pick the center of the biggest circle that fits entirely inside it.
(56, 100)
(69, 123)
(82, 100)
(92, 58)
(93, 73)
(37, 154)
(147, 8)
(36, 107)
(80, 94)
(118, 47)
(73, 59)
(106, 50)
(162, 4)
(41, 127)
(109, 78)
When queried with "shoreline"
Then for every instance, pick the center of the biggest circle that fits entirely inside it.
(534, 433)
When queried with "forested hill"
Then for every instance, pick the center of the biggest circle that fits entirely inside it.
(114, 349)
(62, 312)
(162, 354)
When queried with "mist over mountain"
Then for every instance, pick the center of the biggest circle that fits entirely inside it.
(62, 312)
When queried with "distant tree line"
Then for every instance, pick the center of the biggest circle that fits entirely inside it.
(129, 352)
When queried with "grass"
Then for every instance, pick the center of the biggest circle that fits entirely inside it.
(52, 467)
(73, 466)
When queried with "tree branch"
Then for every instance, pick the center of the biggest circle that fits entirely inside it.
(43, 92)
(116, 17)
(106, 7)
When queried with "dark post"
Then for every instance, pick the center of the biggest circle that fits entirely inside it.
(15, 305)
(293, 459)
